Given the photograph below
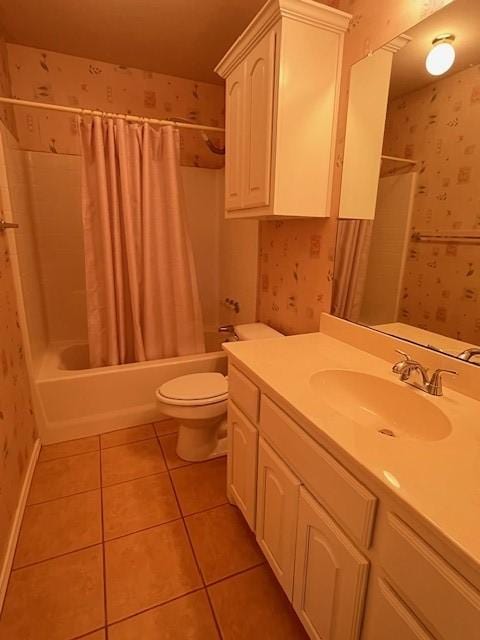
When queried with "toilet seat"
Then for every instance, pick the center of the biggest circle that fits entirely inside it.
(196, 389)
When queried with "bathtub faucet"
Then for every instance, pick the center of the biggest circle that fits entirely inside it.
(228, 328)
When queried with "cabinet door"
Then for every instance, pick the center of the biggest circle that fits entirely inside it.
(277, 507)
(234, 138)
(259, 89)
(242, 462)
(388, 617)
(330, 575)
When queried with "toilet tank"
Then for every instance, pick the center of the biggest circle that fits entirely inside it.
(255, 331)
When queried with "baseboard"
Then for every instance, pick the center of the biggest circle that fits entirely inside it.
(16, 524)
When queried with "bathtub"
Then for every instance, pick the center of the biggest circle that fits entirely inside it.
(76, 401)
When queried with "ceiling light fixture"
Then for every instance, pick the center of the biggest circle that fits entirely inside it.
(441, 56)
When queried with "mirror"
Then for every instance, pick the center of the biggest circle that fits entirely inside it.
(413, 270)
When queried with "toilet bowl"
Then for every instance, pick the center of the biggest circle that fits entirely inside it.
(199, 403)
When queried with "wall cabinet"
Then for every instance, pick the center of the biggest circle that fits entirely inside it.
(277, 507)
(282, 83)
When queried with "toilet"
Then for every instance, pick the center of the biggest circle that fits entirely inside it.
(199, 402)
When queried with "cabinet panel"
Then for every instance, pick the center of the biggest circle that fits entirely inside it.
(259, 83)
(330, 575)
(277, 505)
(233, 143)
(441, 597)
(242, 462)
(244, 393)
(388, 617)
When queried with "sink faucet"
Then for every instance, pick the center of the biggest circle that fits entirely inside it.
(468, 354)
(431, 385)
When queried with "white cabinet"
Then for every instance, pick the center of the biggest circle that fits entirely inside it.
(388, 617)
(330, 576)
(283, 77)
(277, 505)
(242, 462)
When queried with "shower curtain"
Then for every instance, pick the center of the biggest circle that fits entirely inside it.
(142, 295)
(351, 262)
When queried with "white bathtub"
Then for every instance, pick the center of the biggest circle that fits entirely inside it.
(77, 401)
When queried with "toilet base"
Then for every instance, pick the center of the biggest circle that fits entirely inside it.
(200, 440)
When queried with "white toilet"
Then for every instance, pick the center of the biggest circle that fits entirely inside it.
(199, 402)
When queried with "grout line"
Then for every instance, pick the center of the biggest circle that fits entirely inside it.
(155, 606)
(69, 495)
(152, 526)
(124, 444)
(86, 635)
(212, 610)
(72, 455)
(237, 573)
(56, 556)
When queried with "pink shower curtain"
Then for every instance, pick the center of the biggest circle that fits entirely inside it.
(142, 295)
(351, 262)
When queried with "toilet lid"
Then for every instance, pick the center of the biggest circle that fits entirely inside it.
(196, 386)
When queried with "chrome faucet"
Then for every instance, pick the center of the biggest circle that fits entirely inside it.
(468, 354)
(431, 385)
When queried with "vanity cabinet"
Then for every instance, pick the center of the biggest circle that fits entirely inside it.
(351, 564)
(282, 85)
(277, 507)
(330, 575)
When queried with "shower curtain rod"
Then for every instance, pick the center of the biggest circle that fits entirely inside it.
(106, 114)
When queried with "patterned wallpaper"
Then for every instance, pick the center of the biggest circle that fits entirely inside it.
(6, 111)
(437, 126)
(17, 424)
(295, 272)
(45, 76)
(373, 24)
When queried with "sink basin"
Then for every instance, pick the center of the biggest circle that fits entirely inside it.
(378, 404)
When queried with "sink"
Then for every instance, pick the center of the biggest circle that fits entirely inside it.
(375, 403)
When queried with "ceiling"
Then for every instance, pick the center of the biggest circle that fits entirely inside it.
(462, 18)
(183, 38)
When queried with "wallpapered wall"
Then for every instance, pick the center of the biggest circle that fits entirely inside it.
(293, 303)
(437, 126)
(45, 76)
(17, 424)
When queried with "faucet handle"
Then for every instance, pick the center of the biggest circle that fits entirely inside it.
(399, 366)
(435, 387)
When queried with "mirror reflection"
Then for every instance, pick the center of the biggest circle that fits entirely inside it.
(414, 269)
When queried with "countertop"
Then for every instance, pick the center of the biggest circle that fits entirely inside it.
(439, 479)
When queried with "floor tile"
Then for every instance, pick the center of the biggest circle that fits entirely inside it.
(148, 568)
(64, 477)
(222, 542)
(201, 486)
(59, 526)
(188, 617)
(169, 448)
(55, 600)
(252, 605)
(130, 461)
(164, 427)
(69, 448)
(124, 436)
(138, 504)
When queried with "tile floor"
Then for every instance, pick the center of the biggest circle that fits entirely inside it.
(122, 540)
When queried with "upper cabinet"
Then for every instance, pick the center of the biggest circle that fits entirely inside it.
(282, 84)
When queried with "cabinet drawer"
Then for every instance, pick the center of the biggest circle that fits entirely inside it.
(244, 393)
(446, 602)
(388, 617)
(345, 498)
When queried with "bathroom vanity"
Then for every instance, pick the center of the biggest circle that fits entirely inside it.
(362, 491)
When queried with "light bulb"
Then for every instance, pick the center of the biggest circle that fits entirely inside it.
(441, 57)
